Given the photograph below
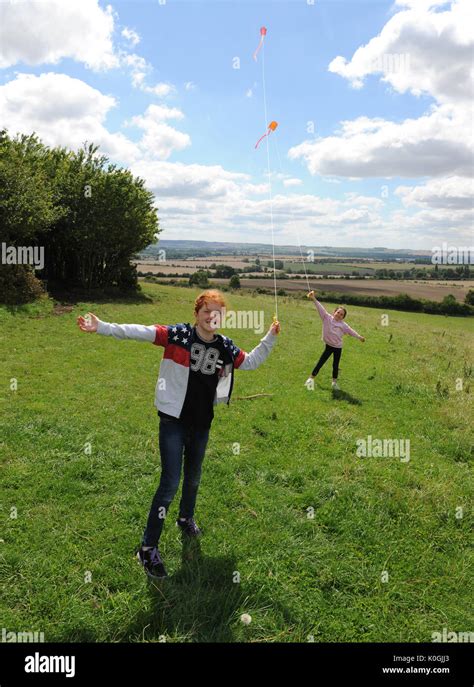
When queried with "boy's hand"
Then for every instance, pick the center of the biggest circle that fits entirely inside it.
(311, 294)
(275, 328)
(362, 338)
(88, 323)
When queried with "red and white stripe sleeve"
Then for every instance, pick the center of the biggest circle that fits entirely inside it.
(161, 335)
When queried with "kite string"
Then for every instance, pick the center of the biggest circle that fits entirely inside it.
(297, 230)
(269, 179)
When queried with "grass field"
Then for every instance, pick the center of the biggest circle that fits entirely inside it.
(386, 556)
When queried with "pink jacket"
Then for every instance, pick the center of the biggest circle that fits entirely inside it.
(333, 331)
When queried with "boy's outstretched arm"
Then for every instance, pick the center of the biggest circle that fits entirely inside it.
(260, 353)
(154, 333)
(323, 313)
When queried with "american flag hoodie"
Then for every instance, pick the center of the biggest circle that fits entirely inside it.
(177, 339)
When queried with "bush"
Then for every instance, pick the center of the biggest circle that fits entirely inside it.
(18, 285)
(234, 282)
(200, 278)
(224, 271)
(449, 305)
(469, 299)
(127, 278)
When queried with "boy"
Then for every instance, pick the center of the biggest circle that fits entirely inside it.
(197, 371)
(333, 330)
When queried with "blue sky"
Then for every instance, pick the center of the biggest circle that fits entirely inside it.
(197, 42)
(396, 176)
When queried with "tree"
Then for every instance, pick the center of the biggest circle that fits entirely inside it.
(109, 217)
(469, 298)
(200, 278)
(27, 207)
(90, 216)
(224, 271)
(234, 282)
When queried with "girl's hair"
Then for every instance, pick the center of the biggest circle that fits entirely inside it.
(209, 295)
(341, 307)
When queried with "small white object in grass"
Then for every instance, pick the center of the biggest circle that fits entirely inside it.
(246, 618)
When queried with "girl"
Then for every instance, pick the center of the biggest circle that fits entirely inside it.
(333, 330)
(197, 371)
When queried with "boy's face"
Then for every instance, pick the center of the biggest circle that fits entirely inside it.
(339, 314)
(209, 316)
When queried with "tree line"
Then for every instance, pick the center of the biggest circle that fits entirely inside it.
(88, 215)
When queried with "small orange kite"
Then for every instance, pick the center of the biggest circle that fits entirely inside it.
(271, 127)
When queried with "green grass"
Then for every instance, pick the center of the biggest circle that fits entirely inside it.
(81, 514)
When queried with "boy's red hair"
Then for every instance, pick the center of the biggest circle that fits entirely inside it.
(209, 295)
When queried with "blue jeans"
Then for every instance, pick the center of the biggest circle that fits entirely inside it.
(176, 437)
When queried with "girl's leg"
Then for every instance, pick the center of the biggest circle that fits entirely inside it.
(194, 450)
(335, 363)
(172, 437)
(324, 356)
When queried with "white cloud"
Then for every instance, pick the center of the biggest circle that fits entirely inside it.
(363, 201)
(190, 86)
(33, 33)
(159, 139)
(421, 50)
(68, 112)
(213, 200)
(157, 113)
(292, 182)
(439, 143)
(178, 180)
(62, 111)
(453, 193)
(131, 36)
(160, 89)
(425, 48)
(140, 70)
(37, 32)
(216, 204)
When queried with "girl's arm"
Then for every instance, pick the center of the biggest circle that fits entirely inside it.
(352, 332)
(156, 334)
(323, 313)
(258, 355)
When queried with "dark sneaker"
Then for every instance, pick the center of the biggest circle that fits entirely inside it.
(189, 527)
(152, 563)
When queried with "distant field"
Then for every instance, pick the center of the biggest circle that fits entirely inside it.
(368, 287)
(372, 287)
(177, 264)
(362, 268)
(173, 266)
